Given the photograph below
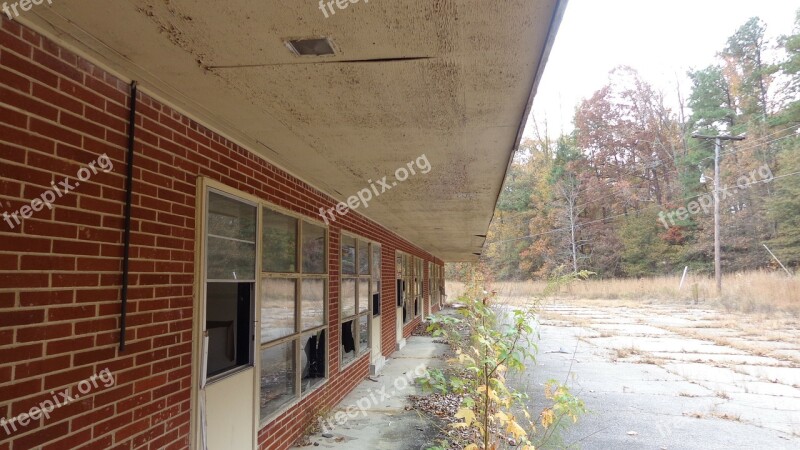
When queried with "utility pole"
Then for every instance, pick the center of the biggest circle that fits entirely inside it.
(717, 149)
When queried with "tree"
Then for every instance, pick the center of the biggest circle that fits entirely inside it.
(712, 104)
(645, 251)
(748, 73)
(784, 207)
(790, 70)
(567, 192)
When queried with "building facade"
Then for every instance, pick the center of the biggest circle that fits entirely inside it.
(165, 281)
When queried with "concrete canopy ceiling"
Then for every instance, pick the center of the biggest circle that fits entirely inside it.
(450, 79)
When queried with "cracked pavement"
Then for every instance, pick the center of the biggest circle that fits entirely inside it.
(671, 376)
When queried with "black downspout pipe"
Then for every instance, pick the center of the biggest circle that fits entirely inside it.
(128, 201)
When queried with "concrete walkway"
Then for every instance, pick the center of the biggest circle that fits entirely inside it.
(374, 415)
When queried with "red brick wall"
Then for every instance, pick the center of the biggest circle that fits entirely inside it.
(60, 270)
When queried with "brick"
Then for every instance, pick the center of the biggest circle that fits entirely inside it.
(100, 206)
(97, 295)
(24, 244)
(96, 325)
(49, 229)
(23, 280)
(44, 298)
(69, 345)
(44, 332)
(50, 262)
(77, 216)
(99, 264)
(40, 367)
(7, 299)
(67, 378)
(71, 312)
(20, 353)
(75, 279)
(100, 235)
(76, 248)
(18, 318)
(94, 356)
(6, 337)
(19, 390)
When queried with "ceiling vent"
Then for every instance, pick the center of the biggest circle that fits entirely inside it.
(311, 47)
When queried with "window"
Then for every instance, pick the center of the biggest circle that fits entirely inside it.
(435, 284)
(405, 286)
(293, 334)
(231, 226)
(375, 288)
(418, 286)
(431, 284)
(360, 290)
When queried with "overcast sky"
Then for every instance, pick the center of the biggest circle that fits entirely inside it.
(659, 38)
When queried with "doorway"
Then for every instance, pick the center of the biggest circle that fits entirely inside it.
(226, 324)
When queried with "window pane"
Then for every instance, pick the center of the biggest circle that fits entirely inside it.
(363, 258)
(230, 260)
(349, 337)
(231, 218)
(348, 299)
(398, 266)
(348, 255)
(363, 333)
(229, 310)
(376, 297)
(313, 305)
(314, 246)
(313, 359)
(277, 308)
(376, 261)
(277, 377)
(363, 294)
(280, 243)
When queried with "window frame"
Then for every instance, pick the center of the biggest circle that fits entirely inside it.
(369, 277)
(209, 190)
(419, 286)
(299, 333)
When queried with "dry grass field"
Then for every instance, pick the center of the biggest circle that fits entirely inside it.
(749, 292)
